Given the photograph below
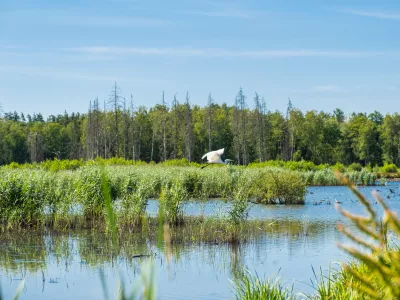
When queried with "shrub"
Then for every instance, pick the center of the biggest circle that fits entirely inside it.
(389, 168)
(355, 167)
(279, 186)
(339, 167)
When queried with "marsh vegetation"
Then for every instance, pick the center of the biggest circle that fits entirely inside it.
(104, 210)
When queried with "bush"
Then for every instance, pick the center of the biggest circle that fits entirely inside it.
(339, 167)
(389, 168)
(355, 167)
(279, 186)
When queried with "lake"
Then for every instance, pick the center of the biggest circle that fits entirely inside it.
(69, 265)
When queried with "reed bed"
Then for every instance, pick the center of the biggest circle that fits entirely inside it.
(28, 196)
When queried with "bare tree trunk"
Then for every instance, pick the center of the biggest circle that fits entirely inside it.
(125, 129)
(259, 127)
(105, 131)
(140, 142)
(236, 130)
(241, 99)
(164, 125)
(152, 146)
(115, 102)
(132, 127)
(210, 104)
(188, 129)
(175, 122)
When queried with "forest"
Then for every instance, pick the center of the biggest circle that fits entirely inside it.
(175, 129)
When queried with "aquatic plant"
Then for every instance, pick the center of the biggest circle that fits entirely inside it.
(33, 196)
(239, 209)
(147, 284)
(89, 192)
(252, 287)
(134, 203)
(278, 186)
(381, 281)
(171, 202)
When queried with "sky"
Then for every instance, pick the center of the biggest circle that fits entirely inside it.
(60, 55)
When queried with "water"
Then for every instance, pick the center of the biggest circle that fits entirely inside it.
(65, 266)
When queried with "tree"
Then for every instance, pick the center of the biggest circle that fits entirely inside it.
(339, 115)
(390, 136)
(175, 116)
(115, 102)
(260, 128)
(188, 129)
(209, 121)
(35, 145)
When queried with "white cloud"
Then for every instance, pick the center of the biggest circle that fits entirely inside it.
(78, 19)
(222, 13)
(56, 73)
(373, 14)
(326, 88)
(215, 52)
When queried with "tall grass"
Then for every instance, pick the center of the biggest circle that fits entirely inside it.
(29, 197)
(171, 202)
(251, 287)
(32, 196)
(147, 285)
(323, 172)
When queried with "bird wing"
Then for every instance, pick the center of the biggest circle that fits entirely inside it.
(220, 151)
(207, 154)
(214, 155)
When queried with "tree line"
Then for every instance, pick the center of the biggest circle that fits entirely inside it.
(176, 129)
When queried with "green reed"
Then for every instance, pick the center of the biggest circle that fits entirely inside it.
(33, 196)
(171, 202)
(252, 287)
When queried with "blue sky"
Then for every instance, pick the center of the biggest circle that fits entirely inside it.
(59, 55)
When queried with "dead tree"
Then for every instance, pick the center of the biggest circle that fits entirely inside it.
(115, 102)
(188, 129)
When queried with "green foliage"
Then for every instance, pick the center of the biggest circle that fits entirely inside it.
(355, 167)
(172, 199)
(278, 186)
(382, 276)
(389, 168)
(339, 167)
(239, 211)
(251, 287)
(301, 165)
(134, 202)
(89, 191)
(185, 132)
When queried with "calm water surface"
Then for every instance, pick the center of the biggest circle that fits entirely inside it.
(68, 266)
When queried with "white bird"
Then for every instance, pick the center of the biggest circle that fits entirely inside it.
(214, 157)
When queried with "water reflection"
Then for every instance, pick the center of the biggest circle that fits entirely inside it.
(69, 264)
(291, 239)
